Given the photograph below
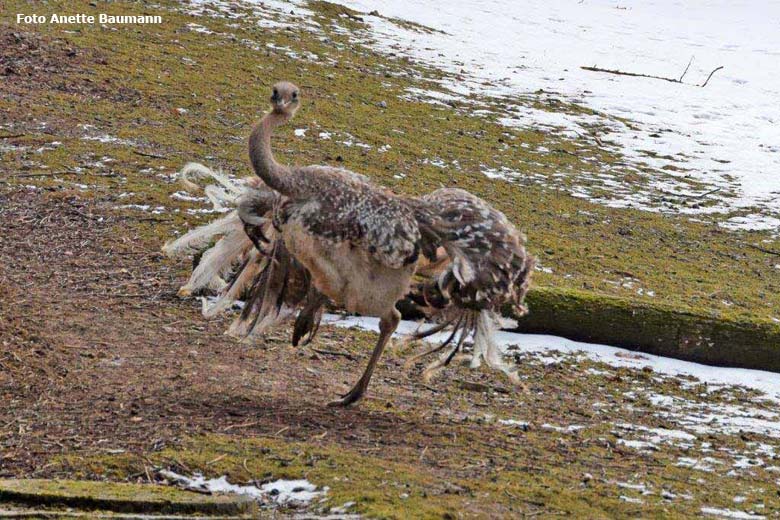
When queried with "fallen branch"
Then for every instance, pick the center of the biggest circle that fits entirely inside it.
(639, 75)
(692, 195)
(708, 77)
(146, 154)
(686, 69)
(11, 136)
(633, 74)
(763, 249)
(43, 174)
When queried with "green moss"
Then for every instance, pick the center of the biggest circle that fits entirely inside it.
(119, 497)
(546, 474)
(679, 332)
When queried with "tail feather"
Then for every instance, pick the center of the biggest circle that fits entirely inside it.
(220, 198)
(487, 268)
(308, 321)
(243, 248)
(195, 171)
(264, 303)
(195, 241)
(219, 261)
(522, 285)
(240, 285)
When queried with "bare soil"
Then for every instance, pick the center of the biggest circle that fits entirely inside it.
(99, 358)
(98, 349)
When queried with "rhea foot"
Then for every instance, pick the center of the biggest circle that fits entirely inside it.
(351, 397)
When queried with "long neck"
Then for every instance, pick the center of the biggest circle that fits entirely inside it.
(266, 167)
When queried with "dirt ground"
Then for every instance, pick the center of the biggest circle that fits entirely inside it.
(97, 348)
(99, 357)
(105, 374)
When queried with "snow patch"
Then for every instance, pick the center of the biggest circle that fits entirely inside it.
(768, 383)
(724, 134)
(283, 492)
(144, 207)
(513, 422)
(183, 195)
(563, 429)
(706, 464)
(728, 513)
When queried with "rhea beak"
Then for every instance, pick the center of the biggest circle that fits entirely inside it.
(281, 104)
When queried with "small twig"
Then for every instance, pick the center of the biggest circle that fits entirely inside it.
(242, 425)
(701, 195)
(11, 136)
(691, 196)
(118, 296)
(214, 461)
(334, 353)
(686, 69)
(43, 174)
(763, 249)
(152, 219)
(564, 151)
(152, 155)
(708, 77)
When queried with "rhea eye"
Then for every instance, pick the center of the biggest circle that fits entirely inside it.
(276, 93)
(295, 95)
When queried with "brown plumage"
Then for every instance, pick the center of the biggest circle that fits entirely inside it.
(322, 233)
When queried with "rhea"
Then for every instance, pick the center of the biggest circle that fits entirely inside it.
(315, 233)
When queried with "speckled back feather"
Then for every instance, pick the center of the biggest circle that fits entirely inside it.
(489, 264)
(339, 205)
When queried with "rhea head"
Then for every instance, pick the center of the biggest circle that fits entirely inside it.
(285, 98)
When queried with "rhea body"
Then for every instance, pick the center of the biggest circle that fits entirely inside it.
(302, 235)
(359, 242)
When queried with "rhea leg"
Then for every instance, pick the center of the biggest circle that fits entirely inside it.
(387, 326)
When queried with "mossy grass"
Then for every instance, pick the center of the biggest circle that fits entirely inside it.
(538, 476)
(120, 497)
(181, 95)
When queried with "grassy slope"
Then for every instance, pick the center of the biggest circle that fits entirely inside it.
(476, 467)
(131, 86)
(223, 84)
